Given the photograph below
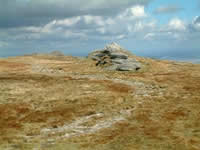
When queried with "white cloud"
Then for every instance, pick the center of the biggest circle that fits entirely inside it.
(98, 20)
(32, 29)
(122, 36)
(149, 36)
(197, 26)
(138, 11)
(177, 24)
(68, 22)
(196, 23)
(116, 27)
(41, 29)
(101, 30)
(134, 12)
(132, 23)
(141, 26)
(110, 21)
(129, 28)
(54, 25)
(48, 28)
(88, 19)
(138, 26)
(71, 34)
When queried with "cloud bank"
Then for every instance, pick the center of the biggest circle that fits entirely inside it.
(36, 12)
(76, 25)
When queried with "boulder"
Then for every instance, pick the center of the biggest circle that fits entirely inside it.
(113, 57)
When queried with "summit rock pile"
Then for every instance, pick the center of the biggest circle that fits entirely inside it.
(114, 57)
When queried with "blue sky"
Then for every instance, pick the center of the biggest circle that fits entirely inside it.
(155, 28)
(189, 9)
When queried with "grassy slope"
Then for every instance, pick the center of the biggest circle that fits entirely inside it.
(50, 92)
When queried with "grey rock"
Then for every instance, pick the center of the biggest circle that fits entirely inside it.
(113, 57)
(112, 67)
(95, 58)
(101, 62)
(128, 67)
(118, 61)
(112, 47)
(106, 52)
(132, 60)
(118, 56)
(124, 61)
(100, 54)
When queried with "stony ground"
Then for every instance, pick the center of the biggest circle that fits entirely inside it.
(67, 103)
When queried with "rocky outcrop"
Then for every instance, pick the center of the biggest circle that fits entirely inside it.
(113, 57)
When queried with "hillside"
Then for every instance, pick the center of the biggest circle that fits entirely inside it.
(61, 102)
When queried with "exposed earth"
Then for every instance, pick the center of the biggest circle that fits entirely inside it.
(56, 102)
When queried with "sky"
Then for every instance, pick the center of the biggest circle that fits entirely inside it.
(154, 28)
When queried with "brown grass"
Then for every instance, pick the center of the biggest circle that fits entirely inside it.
(31, 101)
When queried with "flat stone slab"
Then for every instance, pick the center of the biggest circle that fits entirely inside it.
(118, 56)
